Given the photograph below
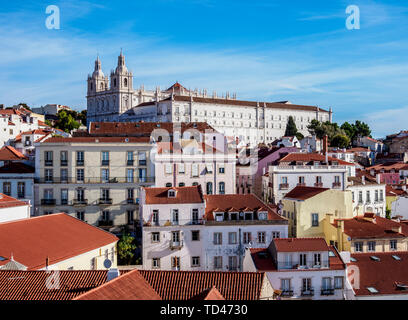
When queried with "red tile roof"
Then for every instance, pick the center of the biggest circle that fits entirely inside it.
(32, 285)
(8, 153)
(382, 275)
(389, 166)
(98, 140)
(209, 294)
(10, 202)
(184, 285)
(177, 148)
(300, 244)
(304, 193)
(130, 286)
(17, 167)
(364, 227)
(57, 236)
(309, 157)
(192, 194)
(236, 203)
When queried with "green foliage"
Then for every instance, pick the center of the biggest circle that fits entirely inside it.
(126, 248)
(48, 123)
(388, 213)
(291, 129)
(66, 121)
(358, 129)
(299, 136)
(340, 141)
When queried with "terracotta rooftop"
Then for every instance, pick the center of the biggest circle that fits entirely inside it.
(236, 203)
(56, 236)
(388, 275)
(98, 140)
(300, 244)
(16, 167)
(389, 166)
(129, 286)
(311, 157)
(185, 285)
(32, 285)
(209, 294)
(192, 194)
(10, 202)
(8, 153)
(304, 193)
(372, 227)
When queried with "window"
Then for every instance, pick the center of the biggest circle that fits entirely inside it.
(371, 245)
(261, 237)
(368, 196)
(130, 175)
(209, 188)
(130, 195)
(301, 180)
(80, 175)
(318, 179)
(64, 196)
(181, 168)
(175, 262)
(317, 259)
(326, 283)
(232, 263)
(49, 175)
(64, 175)
(130, 158)
(221, 188)
(217, 238)
(169, 168)
(195, 261)
(156, 263)
(80, 158)
(232, 237)
(218, 262)
(194, 216)
(105, 175)
(105, 194)
(358, 247)
(360, 197)
(182, 184)
(48, 158)
(221, 169)
(285, 284)
(338, 282)
(105, 158)
(376, 196)
(284, 180)
(315, 219)
(209, 168)
(306, 284)
(142, 158)
(302, 259)
(155, 216)
(80, 215)
(155, 236)
(7, 188)
(175, 217)
(21, 189)
(106, 215)
(80, 194)
(142, 175)
(195, 235)
(381, 195)
(275, 235)
(393, 244)
(130, 215)
(247, 237)
(168, 185)
(194, 169)
(64, 158)
(337, 179)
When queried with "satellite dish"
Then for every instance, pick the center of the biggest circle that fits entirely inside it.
(107, 263)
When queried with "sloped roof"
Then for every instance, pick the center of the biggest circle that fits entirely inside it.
(56, 236)
(130, 286)
(184, 285)
(300, 244)
(8, 153)
(309, 157)
(32, 285)
(10, 202)
(304, 193)
(17, 167)
(98, 140)
(183, 195)
(209, 294)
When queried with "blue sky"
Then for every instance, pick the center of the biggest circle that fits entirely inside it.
(299, 51)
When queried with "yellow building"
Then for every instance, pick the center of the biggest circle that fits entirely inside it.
(307, 207)
(366, 233)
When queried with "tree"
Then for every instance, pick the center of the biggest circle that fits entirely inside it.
(299, 135)
(291, 129)
(126, 248)
(362, 129)
(340, 141)
(66, 121)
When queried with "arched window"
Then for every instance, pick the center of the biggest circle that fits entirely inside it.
(91, 86)
(221, 188)
(168, 185)
(209, 188)
(114, 82)
(101, 85)
(182, 184)
(125, 82)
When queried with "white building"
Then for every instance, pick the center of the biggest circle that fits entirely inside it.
(306, 169)
(304, 268)
(186, 230)
(250, 121)
(12, 209)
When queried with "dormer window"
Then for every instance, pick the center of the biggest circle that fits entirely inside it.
(219, 216)
(262, 215)
(171, 193)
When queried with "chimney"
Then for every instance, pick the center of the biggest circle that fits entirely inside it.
(325, 146)
(340, 225)
(378, 178)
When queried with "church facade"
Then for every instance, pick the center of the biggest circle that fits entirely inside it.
(251, 122)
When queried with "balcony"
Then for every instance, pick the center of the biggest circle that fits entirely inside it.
(94, 180)
(287, 293)
(48, 202)
(283, 186)
(48, 163)
(80, 163)
(307, 292)
(301, 184)
(318, 184)
(129, 162)
(327, 291)
(336, 185)
(79, 202)
(105, 201)
(176, 245)
(142, 162)
(105, 163)
(105, 223)
(64, 163)
(64, 202)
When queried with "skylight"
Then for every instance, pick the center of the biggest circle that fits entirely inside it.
(353, 259)
(375, 258)
(372, 289)
(2, 258)
(396, 257)
(331, 254)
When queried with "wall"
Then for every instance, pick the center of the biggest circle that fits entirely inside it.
(14, 213)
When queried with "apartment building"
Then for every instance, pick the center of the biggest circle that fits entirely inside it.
(190, 163)
(96, 179)
(306, 169)
(183, 229)
(302, 269)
